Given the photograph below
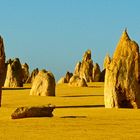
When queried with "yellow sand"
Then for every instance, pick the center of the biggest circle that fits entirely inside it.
(86, 120)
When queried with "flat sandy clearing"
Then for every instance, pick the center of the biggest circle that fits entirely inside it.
(82, 116)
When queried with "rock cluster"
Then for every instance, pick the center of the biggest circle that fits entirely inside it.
(84, 71)
(86, 67)
(43, 84)
(66, 78)
(122, 78)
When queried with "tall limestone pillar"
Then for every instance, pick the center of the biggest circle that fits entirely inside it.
(2, 66)
(122, 78)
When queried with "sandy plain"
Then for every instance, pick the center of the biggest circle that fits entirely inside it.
(79, 115)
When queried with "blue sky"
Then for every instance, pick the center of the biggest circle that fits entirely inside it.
(54, 34)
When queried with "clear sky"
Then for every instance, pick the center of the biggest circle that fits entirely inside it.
(54, 34)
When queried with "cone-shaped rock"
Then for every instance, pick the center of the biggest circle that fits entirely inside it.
(107, 61)
(14, 74)
(122, 78)
(43, 84)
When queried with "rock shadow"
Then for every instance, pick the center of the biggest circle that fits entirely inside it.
(80, 96)
(80, 106)
(18, 88)
(73, 117)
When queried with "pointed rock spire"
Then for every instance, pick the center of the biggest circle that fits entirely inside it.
(125, 35)
(107, 61)
(122, 85)
(123, 44)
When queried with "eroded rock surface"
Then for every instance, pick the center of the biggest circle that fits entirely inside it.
(25, 72)
(31, 78)
(96, 73)
(62, 80)
(43, 84)
(39, 111)
(84, 69)
(77, 81)
(107, 61)
(66, 78)
(122, 78)
(14, 74)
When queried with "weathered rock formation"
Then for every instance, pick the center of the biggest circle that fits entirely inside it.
(77, 81)
(107, 61)
(26, 112)
(66, 78)
(62, 80)
(77, 68)
(14, 74)
(96, 73)
(84, 69)
(2, 66)
(25, 72)
(32, 76)
(43, 84)
(122, 78)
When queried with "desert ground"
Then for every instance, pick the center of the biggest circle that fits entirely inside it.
(79, 115)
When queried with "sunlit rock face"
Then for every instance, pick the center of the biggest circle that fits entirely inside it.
(107, 61)
(84, 69)
(77, 81)
(62, 80)
(43, 84)
(122, 78)
(77, 68)
(14, 74)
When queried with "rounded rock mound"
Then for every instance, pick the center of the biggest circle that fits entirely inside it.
(43, 84)
(77, 81)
